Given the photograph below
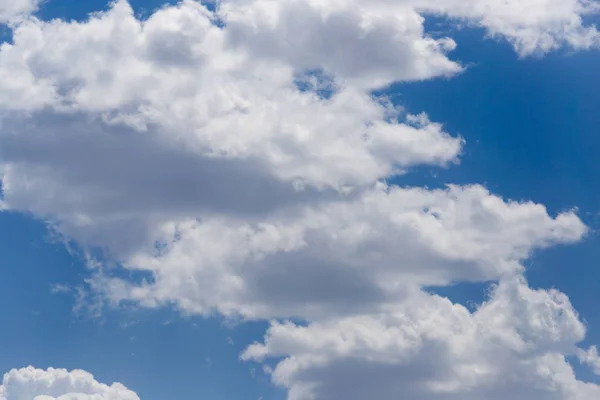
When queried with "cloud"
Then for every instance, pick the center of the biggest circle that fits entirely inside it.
(164, 139)
(513, 346)
(343, 256)
(591, 358)
(532, 27)
(366, 45)
(12, 9)
(237, 159)
(59, 384)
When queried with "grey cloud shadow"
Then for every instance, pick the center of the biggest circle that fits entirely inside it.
(132, 178)
(127, 170)
(308, 284)
(353, 378)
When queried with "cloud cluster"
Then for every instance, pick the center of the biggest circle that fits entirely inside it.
(532, 27)
(59, 384)
(343, 256)
(512, 347)
(172, 121)
(238, 157)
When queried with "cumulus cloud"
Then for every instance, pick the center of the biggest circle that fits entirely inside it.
(59, 384)
(513, 346)
(343, 256)
(532, 27)
(363, 43)
(237, 158)
(181, 137)
(16, 9)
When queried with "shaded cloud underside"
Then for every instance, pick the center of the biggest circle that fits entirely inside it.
(184, 148)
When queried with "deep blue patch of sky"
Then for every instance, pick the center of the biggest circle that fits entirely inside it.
(157, 353)
(79, 10)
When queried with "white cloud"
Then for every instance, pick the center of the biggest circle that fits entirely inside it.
(591, 358)
(345, 256)
(12, 9)
(59, 384)
(512, 347)
(531, 26)
(164, 137)
(363, 44)
(267, 200)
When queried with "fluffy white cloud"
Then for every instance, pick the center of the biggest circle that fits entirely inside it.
(512, 347)
(59, 384)
(532, 26)
(237, 157)
(591, 358)
(171, 122)
(362, 43)
(11, 9)
(343, 256)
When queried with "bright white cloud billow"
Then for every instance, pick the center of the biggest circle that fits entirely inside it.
(535, 26)
(182, 137)
(531, 26)
(237, 157)
(59, 384)
(16, 9)
(512, 347)
(344, 256)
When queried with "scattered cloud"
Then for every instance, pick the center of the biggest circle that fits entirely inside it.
(532, 27)
(590, 357)
(59, 384)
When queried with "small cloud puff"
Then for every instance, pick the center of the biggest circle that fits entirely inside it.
(59, 384)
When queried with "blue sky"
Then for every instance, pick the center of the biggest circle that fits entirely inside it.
(530, 126)
(137, 347)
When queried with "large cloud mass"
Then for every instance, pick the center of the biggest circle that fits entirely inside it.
(512, 347)
(347, 255)
(59, 384)
(239, 159)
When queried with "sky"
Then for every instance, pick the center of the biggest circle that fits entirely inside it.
(299, 199)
